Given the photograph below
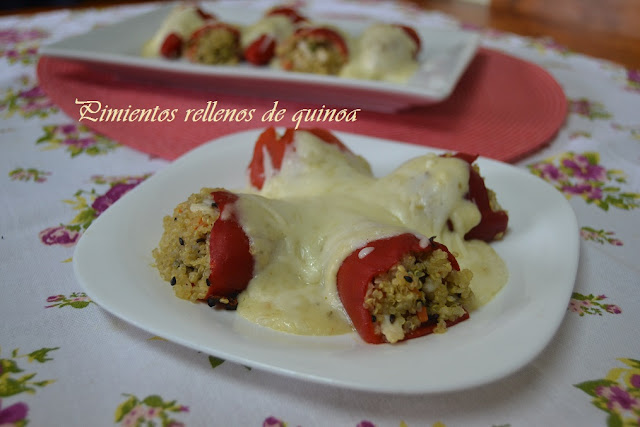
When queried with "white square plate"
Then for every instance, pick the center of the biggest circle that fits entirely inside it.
(444, 57)
(113, 262)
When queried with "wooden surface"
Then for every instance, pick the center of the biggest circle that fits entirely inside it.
(605, 29)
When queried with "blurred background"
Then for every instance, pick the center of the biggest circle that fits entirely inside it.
(605, 29)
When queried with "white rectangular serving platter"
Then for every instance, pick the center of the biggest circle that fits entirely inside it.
(444, 57)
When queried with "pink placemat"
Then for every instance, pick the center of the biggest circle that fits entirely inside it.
(503, 108)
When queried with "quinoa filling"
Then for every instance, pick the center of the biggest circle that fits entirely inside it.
(312, 55)
(215, 46)
(182, 256)
(421, 289)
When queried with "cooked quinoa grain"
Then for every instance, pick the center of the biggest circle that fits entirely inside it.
(417, 291)
(311, 55)
(182, 256)
(217, 46)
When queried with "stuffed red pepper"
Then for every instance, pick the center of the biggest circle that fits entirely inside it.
(403, 287)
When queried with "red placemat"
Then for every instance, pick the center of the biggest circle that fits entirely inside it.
(503, 107)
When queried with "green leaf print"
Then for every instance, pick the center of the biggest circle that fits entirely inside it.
(29, 174)
(125, 407)
(80, 304)
(12, 384)
(215, 361)
(617, 394)
(581, 175)
(154, 401)
(41, 355)
(75, 300)
(590, 387)
(631, 362)
(150, 411)
(614, 420)
(76, 139)
(10, 366)
(28, 101)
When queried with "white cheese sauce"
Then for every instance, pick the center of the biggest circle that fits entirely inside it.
(323, 205)
(277, 27)
(182, 20)
(382, 52)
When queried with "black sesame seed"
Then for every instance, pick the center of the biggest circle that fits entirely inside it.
(181, 240)
(214, 205)
(433, 317)
(175, 218)
(409, 279)
(373, 319)
(173, 281)
(202, 240)
(392, 318)
(213, 301)
(423, 279)
(208, 282)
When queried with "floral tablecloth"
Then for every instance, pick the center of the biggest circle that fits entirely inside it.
(65, 361)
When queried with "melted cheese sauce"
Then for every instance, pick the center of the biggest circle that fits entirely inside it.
(323, 205)
(182, 20)
(277, 26)
(383, 52)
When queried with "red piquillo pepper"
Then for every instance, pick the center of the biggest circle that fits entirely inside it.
(357, 272)
(261, 50)
(269, 143)
(289, 12)
(230, 259)
(413, 34)
(493, 223)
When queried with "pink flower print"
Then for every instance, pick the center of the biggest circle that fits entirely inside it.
(574, 306)
(584, 170)
(151, 413)
(76, 139)
(13, 36)
(550, 172)
(67, 129)
(633, 80)
(273, 422)
(586, 190)
(613, 309)
(175, 424)
(618, 399)
(34, 92)
(587, 234)
(581, 106)
(55, 298)
(34, 99)
(59, 236)
(101, 203)
(14, 413)
(79, 142)
(635, 381)
(365, 423)
(590, 304)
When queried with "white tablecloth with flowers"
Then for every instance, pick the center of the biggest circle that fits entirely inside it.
(65, 361)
